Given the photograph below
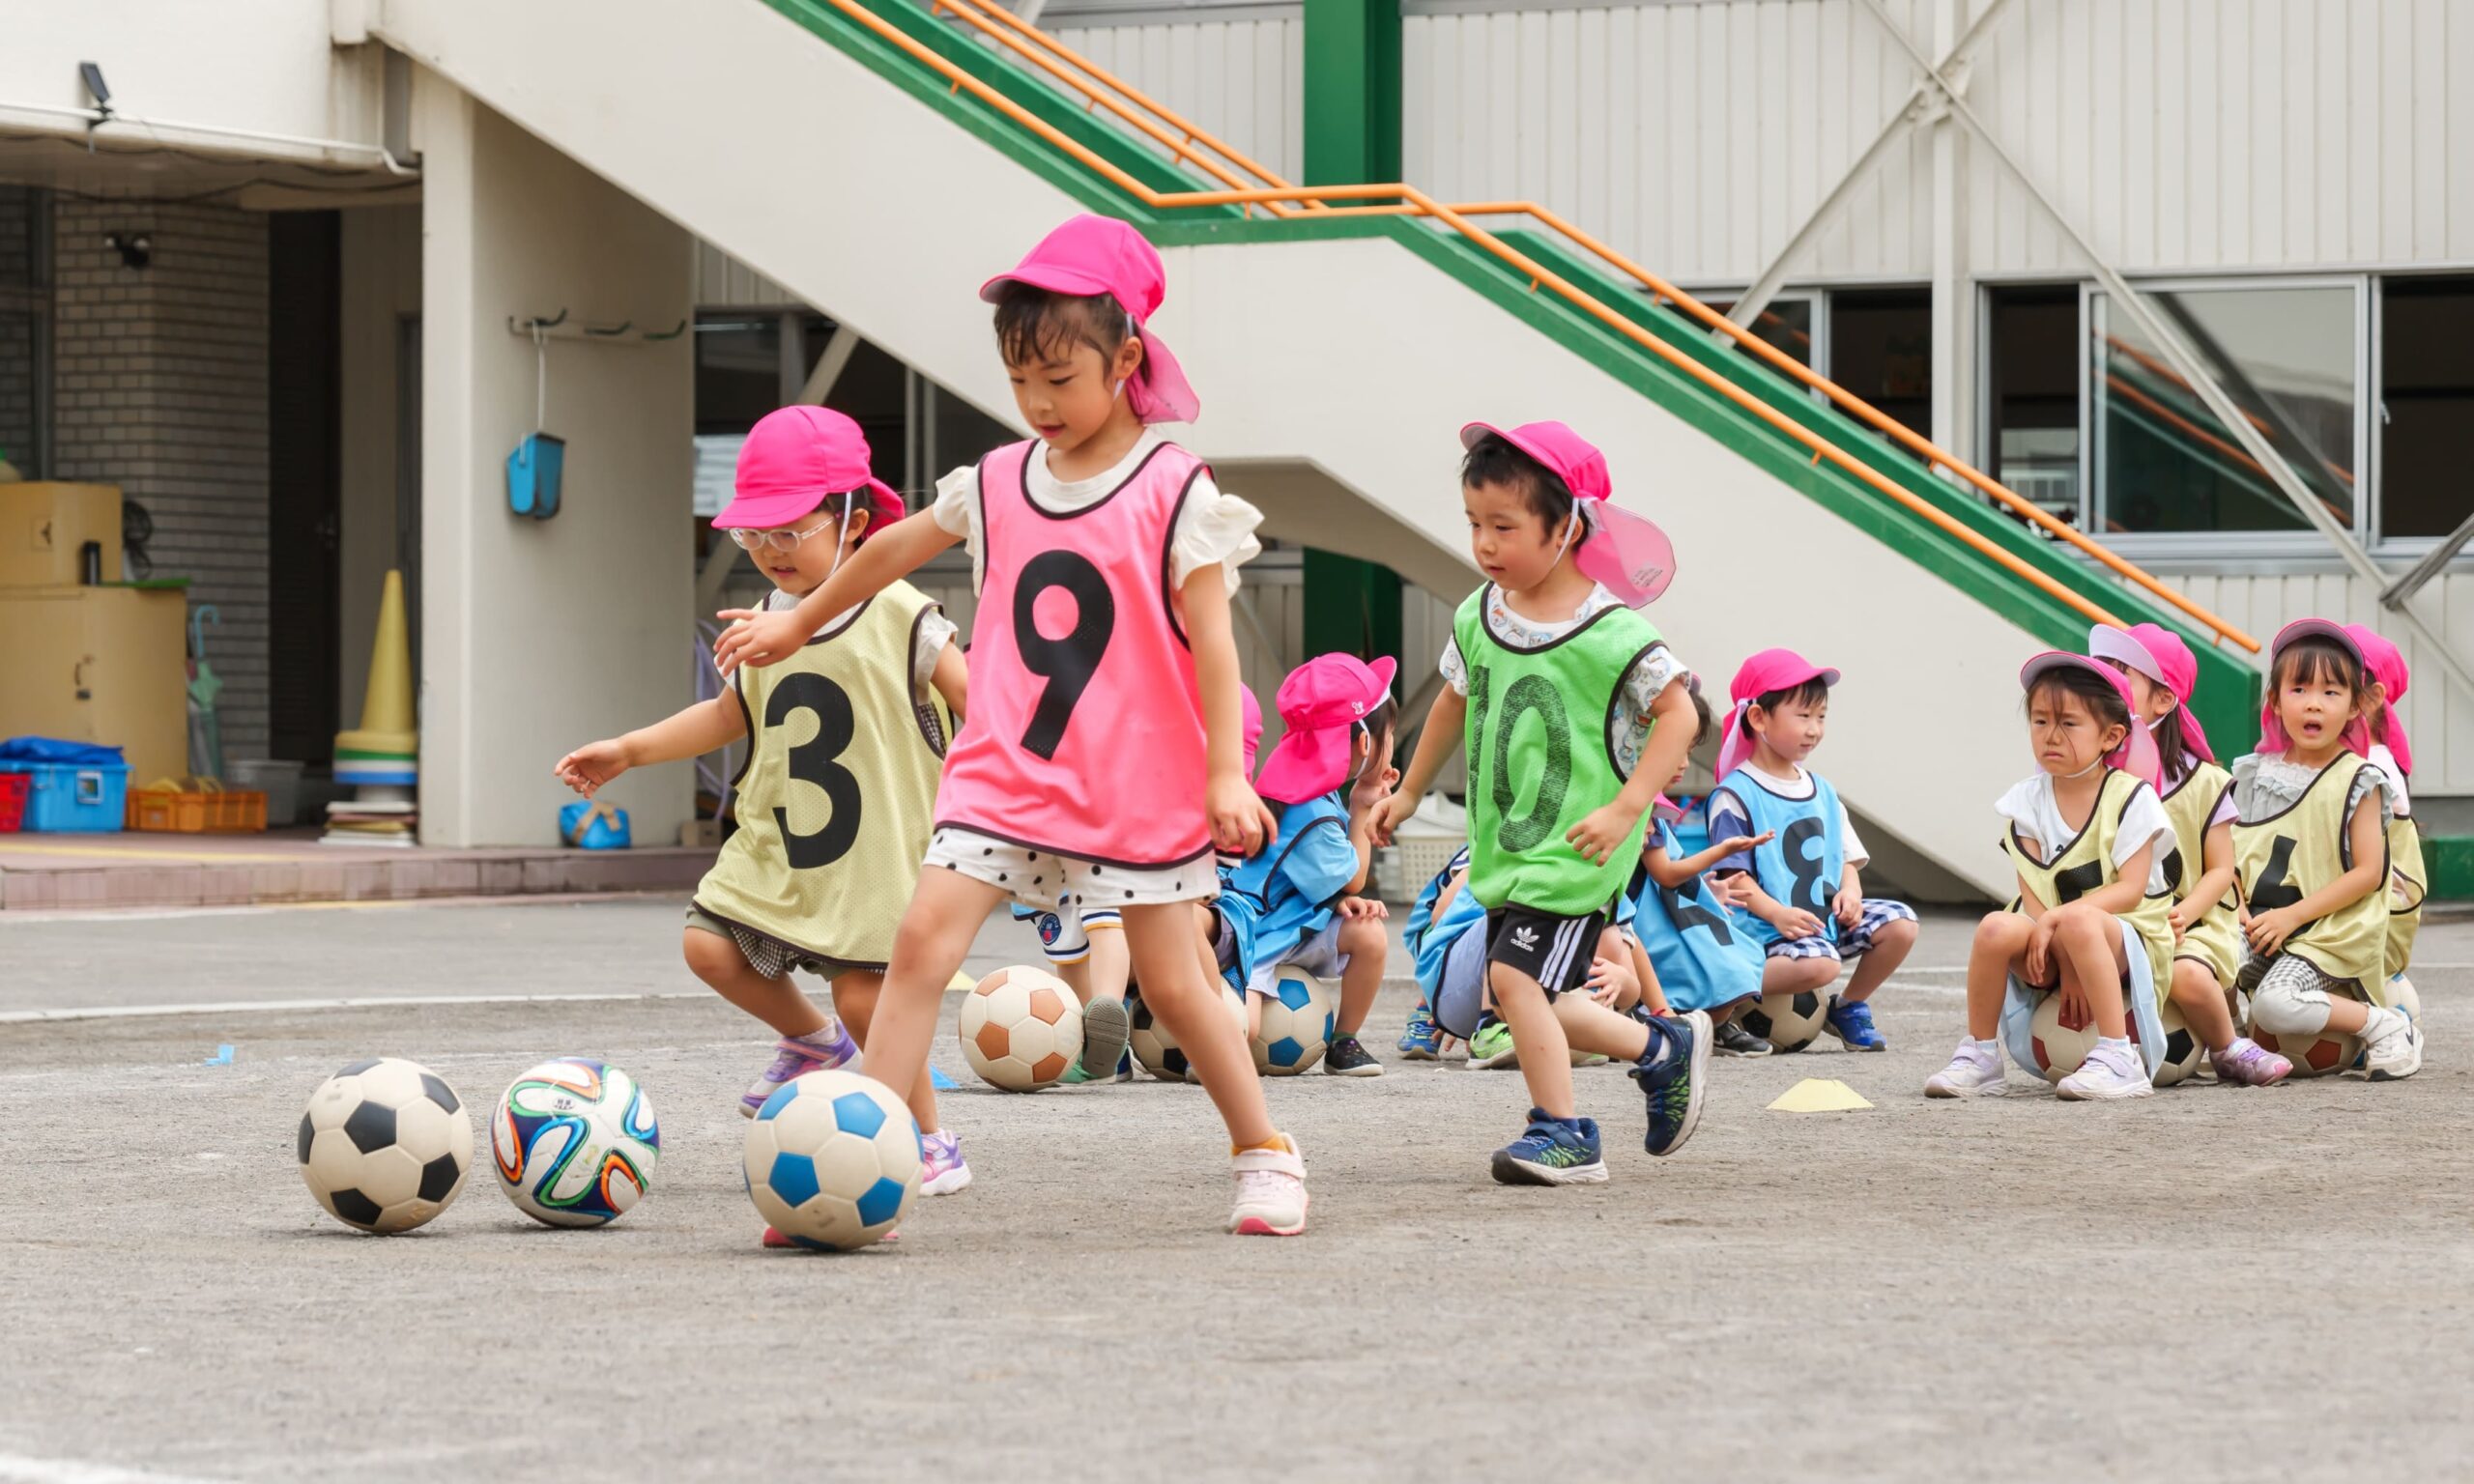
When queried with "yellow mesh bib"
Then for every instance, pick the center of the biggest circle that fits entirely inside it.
(835, 803)
(2287, 856)
(2407, 880)
(2215, 938)
(2087, 864)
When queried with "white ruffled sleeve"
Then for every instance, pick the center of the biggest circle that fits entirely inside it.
(935, 632)
(2019, 803)
(956, 512)
(1213, 526)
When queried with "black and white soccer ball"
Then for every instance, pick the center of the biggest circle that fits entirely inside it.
(1789, 1022)
(384, 1145)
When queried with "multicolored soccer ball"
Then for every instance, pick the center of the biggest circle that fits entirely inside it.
(1789, 1022)
(833, 1160)
(384, 1145)
(575, 1143)
(1022, 1029)
(1298, 1020)
(1157, 1050)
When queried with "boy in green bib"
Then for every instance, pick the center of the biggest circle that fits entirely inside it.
(846, 742)
(1574, 710)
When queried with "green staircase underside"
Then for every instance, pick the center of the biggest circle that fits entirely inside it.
(2229, 688)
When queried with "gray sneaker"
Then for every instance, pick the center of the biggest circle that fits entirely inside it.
(1106, 1026)
(1345, 1058)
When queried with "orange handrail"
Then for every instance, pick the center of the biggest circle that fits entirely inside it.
(1415, 202)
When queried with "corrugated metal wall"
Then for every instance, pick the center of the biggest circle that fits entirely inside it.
(1243, 79)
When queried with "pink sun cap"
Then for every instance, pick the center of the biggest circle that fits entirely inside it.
(1625, 552)
(2387, 665)
(2136, 756)
(793, 458)
(2357, 733)
(2159, 654)
(1250, 716)
(1770, 670)
(1094, 255)
(1321, 703)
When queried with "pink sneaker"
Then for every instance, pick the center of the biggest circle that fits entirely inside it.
(942, 1169)
(2250, 1063)
(796, 1056)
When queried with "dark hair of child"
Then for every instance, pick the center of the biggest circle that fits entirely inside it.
(1811, 693)
(2310, 661)
(1493, 459)
(2094, 692)
(1034, 325)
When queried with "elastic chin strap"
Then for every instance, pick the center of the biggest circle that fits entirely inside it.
(2093, 766)
(1570, 528)
(842, 537)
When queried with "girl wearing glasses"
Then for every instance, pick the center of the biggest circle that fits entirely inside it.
(847, 739)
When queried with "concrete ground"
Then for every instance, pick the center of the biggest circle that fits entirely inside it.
(2213, 1283)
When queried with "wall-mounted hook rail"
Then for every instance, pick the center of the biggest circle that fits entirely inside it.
(556, 327)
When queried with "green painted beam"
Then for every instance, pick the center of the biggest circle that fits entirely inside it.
(1352, 87)
(2449, 861)
(1352, 606)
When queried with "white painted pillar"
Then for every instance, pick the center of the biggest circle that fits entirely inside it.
(1954, 357)
(539, 635)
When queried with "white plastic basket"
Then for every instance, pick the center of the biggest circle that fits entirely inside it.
(1425, 843)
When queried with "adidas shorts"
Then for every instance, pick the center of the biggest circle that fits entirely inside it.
(1554, 951)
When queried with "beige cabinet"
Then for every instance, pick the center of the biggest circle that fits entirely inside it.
(45, 529)
(99, 665)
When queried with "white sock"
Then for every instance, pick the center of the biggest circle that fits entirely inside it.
(1990, 1048)
(2119, 1044)
(2382, 1024)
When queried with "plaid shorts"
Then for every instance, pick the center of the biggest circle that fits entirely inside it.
(1853, 942)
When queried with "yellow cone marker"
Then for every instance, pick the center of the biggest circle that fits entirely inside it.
(1819, 1095)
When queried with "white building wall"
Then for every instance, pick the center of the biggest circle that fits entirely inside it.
(1243, 79)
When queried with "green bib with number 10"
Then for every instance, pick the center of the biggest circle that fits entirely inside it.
(1538, 757)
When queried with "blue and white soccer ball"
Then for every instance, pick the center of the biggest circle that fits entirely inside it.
(833, 1160)
(1298, 1020)
(575, 1143)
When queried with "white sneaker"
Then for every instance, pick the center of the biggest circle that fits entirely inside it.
(1974, 1072)
(1271, 1192)
(2396, 1054)
(2107, 1074)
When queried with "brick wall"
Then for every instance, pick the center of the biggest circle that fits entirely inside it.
(16, 330)
(160, 378)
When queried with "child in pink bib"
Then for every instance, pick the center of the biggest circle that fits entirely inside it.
(1098, 764)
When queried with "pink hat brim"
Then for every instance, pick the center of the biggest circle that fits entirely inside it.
(2107, 643)
(1159, 391)
(1625, 552)
(2136, 756)
(771, 511)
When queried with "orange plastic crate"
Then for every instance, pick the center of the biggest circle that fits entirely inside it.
(166, 811)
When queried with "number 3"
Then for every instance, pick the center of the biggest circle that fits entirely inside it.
(815, 762)
(1068, 663)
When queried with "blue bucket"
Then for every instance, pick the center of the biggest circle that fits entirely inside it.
(533, 475)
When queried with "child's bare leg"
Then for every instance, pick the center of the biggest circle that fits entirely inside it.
(1106, 970)
(1076, 976)
(2089, 948)
(1798, 976)
(854, 1000)
(1254, 1017)
(1363, 942)
(2202, 1001)
(2000, 940)
(2348, 1015)
(1653, 993)
(944, 915)
(777, 1002)
(1546, 1056)
(1588, 1026)
(1206, 929)
(1890, 948)
(1159, 939)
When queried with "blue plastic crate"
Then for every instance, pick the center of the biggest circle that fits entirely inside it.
(69, 798)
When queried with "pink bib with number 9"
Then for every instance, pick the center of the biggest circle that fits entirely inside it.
(1084, 734)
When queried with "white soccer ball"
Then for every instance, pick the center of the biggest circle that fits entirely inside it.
(2184, 1051)
(833, 1160)
(1298, 1020)
(2323, 1055)
(1022, 1029)
(1789, 1022)
(1158, 1051)
(575, 1143)
(384, 1145)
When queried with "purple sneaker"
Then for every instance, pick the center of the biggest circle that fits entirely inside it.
(796, 1056)
(941, 1168)
(2250, 1063)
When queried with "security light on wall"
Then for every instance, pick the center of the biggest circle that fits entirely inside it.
(91, 74)
(136, 249)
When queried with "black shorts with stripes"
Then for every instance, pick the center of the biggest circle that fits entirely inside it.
(1554, 951)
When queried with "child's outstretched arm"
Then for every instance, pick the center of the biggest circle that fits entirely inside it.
(756, 638)
(1441, 736)
(2216, 879)
(1671, 873)
(693, 732)
(2268, 930)
(1239, 822)
(1603, 831)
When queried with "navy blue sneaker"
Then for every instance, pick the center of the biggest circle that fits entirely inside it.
(1852, 1025)
(1423, 1041)
(1553, 1152)
(1672, 1073)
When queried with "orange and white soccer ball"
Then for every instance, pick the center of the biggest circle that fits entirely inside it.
(2322, 1055)
(1022, 1028)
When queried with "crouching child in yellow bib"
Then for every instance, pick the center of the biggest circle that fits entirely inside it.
(846, 741)
(2311, 857)
(2088, 839)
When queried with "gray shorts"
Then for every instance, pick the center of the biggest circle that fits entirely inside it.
(1460, 997)
(768, 956)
